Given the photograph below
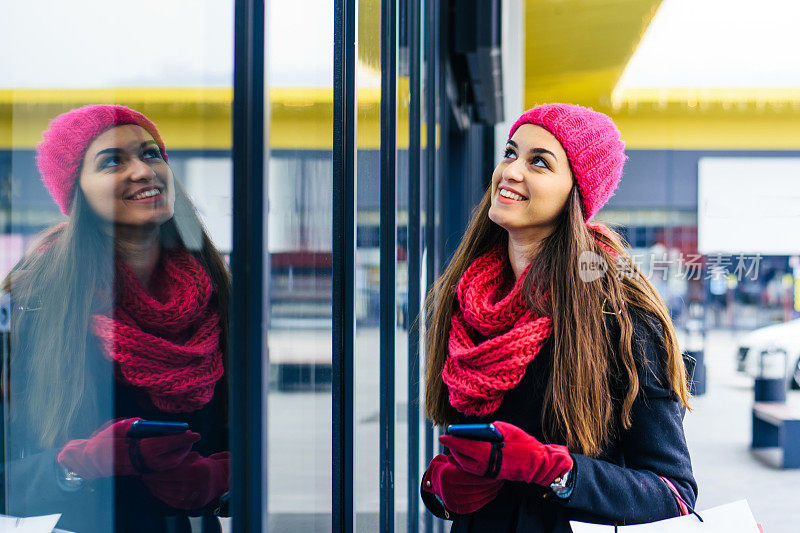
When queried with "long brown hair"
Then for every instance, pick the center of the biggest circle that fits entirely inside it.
(66, 276)
(584, 350)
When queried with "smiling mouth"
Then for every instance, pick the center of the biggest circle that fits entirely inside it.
(511, 196)
(148, 193)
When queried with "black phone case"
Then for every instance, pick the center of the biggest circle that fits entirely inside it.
(484, 434)
(141, 430)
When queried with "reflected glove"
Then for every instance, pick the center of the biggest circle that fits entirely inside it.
(459, 491)
(110, 452)
(520, 457)
(195, 483)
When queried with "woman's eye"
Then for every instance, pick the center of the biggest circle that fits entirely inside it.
(539, 161)
(152, 153)
(110, 162)
(508, 153)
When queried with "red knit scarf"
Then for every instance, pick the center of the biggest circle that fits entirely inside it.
(167, 343)
(477, 371)
(493, 335)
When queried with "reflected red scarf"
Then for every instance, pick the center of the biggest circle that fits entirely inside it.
(167, 342)
(493, 334)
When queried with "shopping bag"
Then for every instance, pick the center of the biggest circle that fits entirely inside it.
(735, 517)
(30, 524)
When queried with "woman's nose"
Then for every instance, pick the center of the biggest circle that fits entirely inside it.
(141, 170)
(513, 171)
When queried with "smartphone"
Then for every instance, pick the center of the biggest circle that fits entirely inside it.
(141, 429)
(484, 432)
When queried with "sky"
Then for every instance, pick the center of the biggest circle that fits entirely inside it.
(96, 43)
(113, 43)
(167, 43)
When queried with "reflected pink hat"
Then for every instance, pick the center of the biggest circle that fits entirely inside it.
(60, 153)
(593, 145)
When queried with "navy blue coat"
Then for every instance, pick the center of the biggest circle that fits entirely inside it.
(622, 484)
(31, 484)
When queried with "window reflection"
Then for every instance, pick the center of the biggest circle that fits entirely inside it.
(116, 381)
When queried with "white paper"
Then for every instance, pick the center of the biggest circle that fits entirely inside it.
(31, 524)
(734, 517)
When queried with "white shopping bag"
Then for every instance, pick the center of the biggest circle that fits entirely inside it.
(30, 524)
(733, 517)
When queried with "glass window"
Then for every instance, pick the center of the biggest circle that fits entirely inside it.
(116, 234)
(299, 59)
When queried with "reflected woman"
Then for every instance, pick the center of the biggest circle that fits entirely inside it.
(542, 325)
(119, 315)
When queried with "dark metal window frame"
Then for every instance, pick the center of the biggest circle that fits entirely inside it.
(414, 256)
(388, 256)
(344, 252)
(247, 333)
(432, 113)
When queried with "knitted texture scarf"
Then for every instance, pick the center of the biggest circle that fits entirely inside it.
(493, 334)
(166, 342)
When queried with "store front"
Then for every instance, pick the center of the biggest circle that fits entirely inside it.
(331, 153)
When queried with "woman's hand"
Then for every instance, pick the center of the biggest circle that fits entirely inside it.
(520, 457)
(109, 451)
(195, 483)
(459, 491)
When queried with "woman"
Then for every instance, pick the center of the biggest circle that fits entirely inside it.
(542, 324)
(119, 314)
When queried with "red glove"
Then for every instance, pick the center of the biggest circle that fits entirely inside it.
(460, 492)
(519, 457)
(110, 452)
(194, 483)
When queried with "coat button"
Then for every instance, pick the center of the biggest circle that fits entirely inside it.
(545, 495)
(428, 483)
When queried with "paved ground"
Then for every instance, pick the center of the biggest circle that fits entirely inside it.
(718, 433)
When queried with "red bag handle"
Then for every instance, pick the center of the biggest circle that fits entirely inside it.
(685, 509)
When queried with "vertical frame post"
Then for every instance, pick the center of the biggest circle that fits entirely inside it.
(443, 118)
(247, 340)
(414, 255)
(388, 256)
(431, 176)
(344, 267)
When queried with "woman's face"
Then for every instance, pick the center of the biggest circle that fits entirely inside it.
(125, 179)
(534, 166)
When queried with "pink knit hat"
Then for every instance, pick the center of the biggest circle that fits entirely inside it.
(60, 153)
(592, 142)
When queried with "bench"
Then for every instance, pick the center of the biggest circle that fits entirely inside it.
(300, 359)
(777, 424)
